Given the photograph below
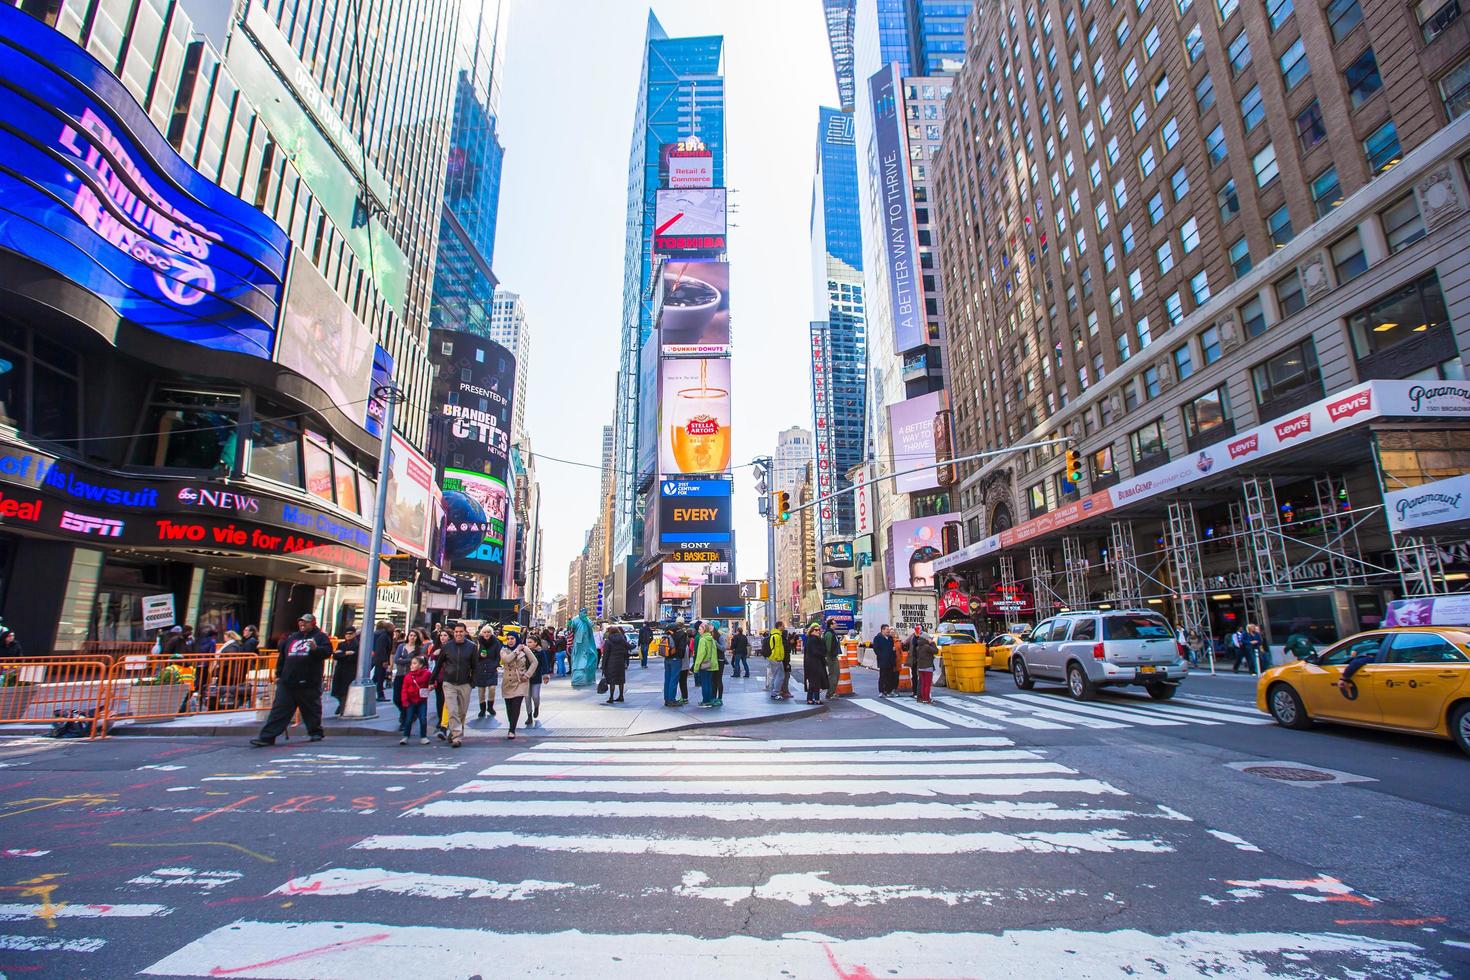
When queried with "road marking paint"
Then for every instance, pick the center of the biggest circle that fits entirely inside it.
(1091, 710)
(780, 844)
(777, 744)
(735, 771)
(71, 910)
(187, 877)
(352, 881)
(1239, 843)
(807, 888)
(40, 944)
(1055, 715)
(1328, 889)
(353, 950)
(224, 809)
(777, 761)
(23, 852)
(199, 843)
(1233, 707)
(1036, 724)
(160, 767)
(894, 714)
(1201, 716)
(953, 717)
(769, 810)
(915, 786)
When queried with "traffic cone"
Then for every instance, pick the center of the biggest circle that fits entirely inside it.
(844, 673)
(905, 680)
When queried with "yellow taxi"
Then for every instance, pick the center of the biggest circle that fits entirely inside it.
(1002, 646)
(1409, 679)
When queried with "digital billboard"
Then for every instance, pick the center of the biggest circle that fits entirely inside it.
(905, 297)
(407, 519)
(648, 406)
(686, 166)
(913, 546)
(694, 437)
(693, 510)
(322, 340)
(376, 407)
(476, 506)
(911, 441)
(474, 392)
(91, 190)
(689, 219)
(680, 578)
(694, 316)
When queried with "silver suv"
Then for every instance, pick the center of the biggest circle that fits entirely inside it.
(1089, 650)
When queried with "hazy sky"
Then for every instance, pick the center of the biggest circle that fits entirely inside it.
(571, 80)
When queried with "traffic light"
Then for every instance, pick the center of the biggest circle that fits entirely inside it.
(1074, 467)
(782, 509)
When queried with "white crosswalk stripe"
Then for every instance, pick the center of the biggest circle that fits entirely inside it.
(1014, 710)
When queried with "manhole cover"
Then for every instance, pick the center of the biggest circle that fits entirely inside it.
(1291, 774)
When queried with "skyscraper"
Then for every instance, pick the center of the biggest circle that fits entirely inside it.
(840, 15)
(793, 452)
(681, 97)
(508, 327)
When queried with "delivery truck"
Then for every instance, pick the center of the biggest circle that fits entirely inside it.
(901, 609)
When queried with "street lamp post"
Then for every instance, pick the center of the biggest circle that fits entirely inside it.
(362, 700)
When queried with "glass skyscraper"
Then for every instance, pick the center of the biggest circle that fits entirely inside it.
(681, 94)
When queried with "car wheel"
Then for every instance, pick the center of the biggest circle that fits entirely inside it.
(1078, 684)
(1460, 726)
(1287, 708)
(1162, 692)
(1020, 674)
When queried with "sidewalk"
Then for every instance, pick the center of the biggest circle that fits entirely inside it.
(567, 713)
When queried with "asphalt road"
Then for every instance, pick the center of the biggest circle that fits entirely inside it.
(1007, 834)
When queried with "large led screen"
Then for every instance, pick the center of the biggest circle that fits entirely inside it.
(323, 341)
(914, 545)
(694, 317)
(689, 220)
(911, 439)
(476, 507)
(695, 416)
(408, 516)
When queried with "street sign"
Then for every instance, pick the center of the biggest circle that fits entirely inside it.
(158, 611)
(754, 590)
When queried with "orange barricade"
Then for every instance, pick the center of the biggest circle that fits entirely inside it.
(39, 690)
(905, 679)
(159, 687)
(845, 661)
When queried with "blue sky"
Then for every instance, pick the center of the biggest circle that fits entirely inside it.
(571, 79)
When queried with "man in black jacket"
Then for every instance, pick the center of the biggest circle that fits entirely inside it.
(382, 654)
(832, 646)
(645, 639)
(456, 671)
(249, 640)
(299, 668)
(887, 662)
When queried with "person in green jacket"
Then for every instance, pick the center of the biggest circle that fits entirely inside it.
(706, 662)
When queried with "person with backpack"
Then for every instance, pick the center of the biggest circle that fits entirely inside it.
(775, 661)
(1299, 644)
(417, 685)
(674, 642)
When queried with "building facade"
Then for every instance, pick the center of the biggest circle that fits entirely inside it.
(508, 327)
(1252, 332)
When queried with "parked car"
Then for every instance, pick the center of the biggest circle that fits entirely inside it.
(1416, 680)
(1112, 648)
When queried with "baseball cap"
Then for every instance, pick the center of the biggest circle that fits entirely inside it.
(306, 618)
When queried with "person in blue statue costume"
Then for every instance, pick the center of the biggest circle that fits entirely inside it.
(584, 651)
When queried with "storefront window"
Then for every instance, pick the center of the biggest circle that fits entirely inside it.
(118, 612)
(318, 466)
(275, 446)
(1400, 316)
(189, 430)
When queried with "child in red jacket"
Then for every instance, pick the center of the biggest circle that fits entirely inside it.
(418, 684)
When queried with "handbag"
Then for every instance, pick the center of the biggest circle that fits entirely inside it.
(424, 692)
(602, 686)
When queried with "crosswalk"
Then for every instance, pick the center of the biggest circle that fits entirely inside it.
(728, 857)
(1023, 711)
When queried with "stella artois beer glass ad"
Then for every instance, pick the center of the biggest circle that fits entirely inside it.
(695, 416)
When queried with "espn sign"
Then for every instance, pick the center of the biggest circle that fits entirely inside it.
(104, 527)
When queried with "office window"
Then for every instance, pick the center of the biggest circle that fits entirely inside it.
(1278, 225)
(1454, 89)
(1287, 373)
(1124, 352)
(1207, 413)
(1343, 16)
(1294, 65)
(1204, 93)
(1264, 165)
(1144, 331)
(1127, 235)
(1123, 30)
(1169, 134)
(1239, 52)
(1156, 209)
(1130, 73)
(1110, 260)
(1189, 235)
(1382, 148)
(1102, 466)
(1403, 314)
(1253, 316)
(1402, 225)
(1139, 115)
(1135, 285)
(1161, 87)
(1151, 386)
(1115, 301)
(1148, 445)
(1120, 193)
(1194, 44)
(1183, 361)
(1036, 499)
(182, 428)
(1227, 7)
(1174, 308)
(1209, 344)
(1240, 257)
(1151, 42)
(1146, 161)
(1326, 194)
(1435, 16)
(1105, 109)
(1277, 11)
(1310, 127)
(1215, 145)
(1348, 260)
(1228, 200)
(1179, 183)
(1252, 110)
(1362, 78)
(1199, 285)
(1289, 295)
(1101, 213)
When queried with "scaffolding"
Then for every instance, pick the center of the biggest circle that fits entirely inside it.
(1074, 571)
(1264, 540)
(1186, 570)
(1043, 579)
(1339, 530)
(1127, 581)
(1417, 562)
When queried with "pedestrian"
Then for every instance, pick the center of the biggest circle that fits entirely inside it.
(791, 640)
(206, 642)
(814, 664)
(344, 668)
(456, 672)
(615, 655)
(542, 653)
(1235, 643)
(299, 669)
(924, 653)
(598, 636)
(1256, 650)
(706, 659)
(832, 644)
(1299, 643)
(673, 643)
(416, 684)
(775, 662)
(433, 650)
(250, 640)
(173, 645)
(645, 640)
(887, 659)
(518, 666)
(1194, 644)
(403, 657)
(382, 656)
(487, 669)
(739, 654)
(720, 654)
(562, 642)
(10, 648)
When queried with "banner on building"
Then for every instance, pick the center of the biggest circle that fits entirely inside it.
(912, 442)
(695, 416)
(694, 315)
(407, 517)
(863, 502)
(823, 448)
(686, 164)
(896, 212)
(689, 220)
(1439, 502)
(322, 340)
(913, 547)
